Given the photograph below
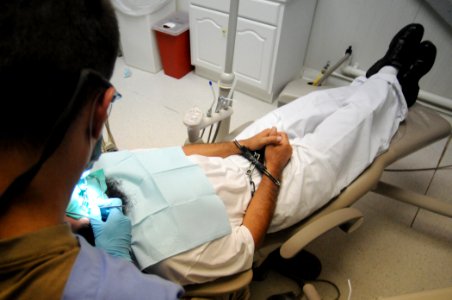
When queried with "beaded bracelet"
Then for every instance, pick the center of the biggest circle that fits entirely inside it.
(249, 156)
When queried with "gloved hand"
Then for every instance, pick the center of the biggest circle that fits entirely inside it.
(106, 205)
(115, 235)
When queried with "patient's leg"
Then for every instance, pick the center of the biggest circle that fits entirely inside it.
(352, 136)
(338, 148)
(302, 115)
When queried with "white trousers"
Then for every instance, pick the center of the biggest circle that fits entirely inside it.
(335, 135)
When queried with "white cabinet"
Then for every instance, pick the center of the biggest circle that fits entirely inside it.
(270, 43)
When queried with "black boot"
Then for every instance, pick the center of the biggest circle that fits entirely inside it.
(401, 49)
(409, 77)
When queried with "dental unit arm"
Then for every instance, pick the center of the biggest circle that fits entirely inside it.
(108, 143)
(195, 120)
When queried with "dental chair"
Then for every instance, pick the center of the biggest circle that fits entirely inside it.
(422, 127)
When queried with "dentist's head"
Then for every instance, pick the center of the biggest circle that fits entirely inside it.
(56, 58)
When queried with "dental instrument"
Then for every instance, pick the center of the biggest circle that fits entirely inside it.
(101, 208)
(209, 112)
(109, 144)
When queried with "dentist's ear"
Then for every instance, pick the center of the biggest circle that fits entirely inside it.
(101, 112)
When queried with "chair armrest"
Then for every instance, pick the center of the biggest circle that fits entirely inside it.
(350, 216)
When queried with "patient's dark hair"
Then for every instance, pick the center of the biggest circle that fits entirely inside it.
(114, 191)
(44, 45)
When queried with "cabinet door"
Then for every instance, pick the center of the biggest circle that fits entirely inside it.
(254, 53)
(254, 46)
(208, 35)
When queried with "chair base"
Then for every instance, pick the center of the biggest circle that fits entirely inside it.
(304, 266)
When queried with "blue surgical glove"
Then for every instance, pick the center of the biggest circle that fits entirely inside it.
(106, 205)
(115, 235)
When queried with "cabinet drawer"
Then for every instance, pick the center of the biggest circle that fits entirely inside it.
(257, 10)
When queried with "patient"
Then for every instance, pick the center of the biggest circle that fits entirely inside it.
(313, 148)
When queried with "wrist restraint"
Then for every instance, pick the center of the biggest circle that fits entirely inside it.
(249, 155)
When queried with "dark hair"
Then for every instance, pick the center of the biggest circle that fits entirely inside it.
(114, 191)
(44, 45)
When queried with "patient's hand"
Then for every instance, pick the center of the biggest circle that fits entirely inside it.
(262, 139)
(277, 155)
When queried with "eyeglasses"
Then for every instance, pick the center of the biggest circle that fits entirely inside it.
(116, 97)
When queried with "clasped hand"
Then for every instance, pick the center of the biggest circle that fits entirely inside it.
(278, 150)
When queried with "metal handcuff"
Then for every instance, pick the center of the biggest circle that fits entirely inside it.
(253, 157)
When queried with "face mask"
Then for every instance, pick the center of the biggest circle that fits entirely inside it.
(97, 151)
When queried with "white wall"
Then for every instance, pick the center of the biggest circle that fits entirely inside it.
(182, 5)
(369, 25)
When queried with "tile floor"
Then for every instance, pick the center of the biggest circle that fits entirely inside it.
(399, 248)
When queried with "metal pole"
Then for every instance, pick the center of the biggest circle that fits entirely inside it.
(232, 29)
(227, 77)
